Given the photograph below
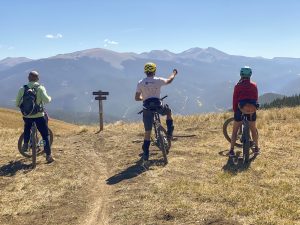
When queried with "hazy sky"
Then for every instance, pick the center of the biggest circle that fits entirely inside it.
(42, 28)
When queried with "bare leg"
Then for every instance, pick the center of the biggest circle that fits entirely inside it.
(236, 126)
(252, 125)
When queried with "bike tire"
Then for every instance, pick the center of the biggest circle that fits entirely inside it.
(162, 142)
(166, 140)
(225, 132)
(246, 144)
(228, 136)
(27, 154)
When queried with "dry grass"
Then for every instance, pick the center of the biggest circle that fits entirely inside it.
(98, 180)
(58, 193)
(199, 186)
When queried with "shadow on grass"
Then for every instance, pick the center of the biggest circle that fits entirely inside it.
(13, 167)
(235, 164)
(133, 171)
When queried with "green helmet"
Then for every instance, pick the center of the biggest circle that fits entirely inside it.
(246, 71)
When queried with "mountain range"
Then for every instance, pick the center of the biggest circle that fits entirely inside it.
(204, 84)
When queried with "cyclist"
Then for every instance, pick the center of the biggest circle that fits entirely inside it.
(245, 91)
(37, 115)
(148, 91)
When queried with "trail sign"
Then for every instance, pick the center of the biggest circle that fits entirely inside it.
(100, 93)
(99, 97)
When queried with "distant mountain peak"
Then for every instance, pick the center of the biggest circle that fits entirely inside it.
(158, 54)
(13, 61)
(112, 57)
(193, 50)
(215, 51)
(209, 54)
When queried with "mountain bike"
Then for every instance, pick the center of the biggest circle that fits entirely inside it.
(244, 139)
(36, 143)
(160, 138)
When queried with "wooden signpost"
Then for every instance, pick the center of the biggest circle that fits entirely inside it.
(100, 95)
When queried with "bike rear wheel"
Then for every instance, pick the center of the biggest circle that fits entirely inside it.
(227, 131)
(39, 149)
(164, 143)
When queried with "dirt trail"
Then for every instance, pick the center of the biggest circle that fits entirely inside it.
(97, 215)
(70, 191)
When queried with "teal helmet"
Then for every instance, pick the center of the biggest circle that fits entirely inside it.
(246, 72)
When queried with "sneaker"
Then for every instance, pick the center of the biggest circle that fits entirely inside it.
(49, 159)
(231, 153)
(256, 151)
(145, 157)
(25, 147)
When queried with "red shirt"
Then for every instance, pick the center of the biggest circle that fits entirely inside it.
(244, 89)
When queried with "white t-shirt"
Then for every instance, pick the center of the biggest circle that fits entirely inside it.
(150, 87)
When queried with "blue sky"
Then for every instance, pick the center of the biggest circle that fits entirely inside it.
(40, 28)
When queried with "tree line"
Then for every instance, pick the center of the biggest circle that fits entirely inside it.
(286, 101)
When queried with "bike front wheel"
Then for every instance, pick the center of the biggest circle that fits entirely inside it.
(40, 150)
(164, 142)
(246, 144)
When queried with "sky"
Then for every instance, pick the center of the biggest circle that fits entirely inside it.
(41, 28)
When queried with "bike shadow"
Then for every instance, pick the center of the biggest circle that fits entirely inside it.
(235, 165)
(13, 167)
(133, 171)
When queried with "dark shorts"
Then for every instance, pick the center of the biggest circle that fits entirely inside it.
(238, 116)
(148, 115)
(42, 126)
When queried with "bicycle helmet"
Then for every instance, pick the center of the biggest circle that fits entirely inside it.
(246, 72)
(150, 67)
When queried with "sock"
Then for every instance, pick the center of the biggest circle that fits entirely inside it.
(146, 149)
(170, 127)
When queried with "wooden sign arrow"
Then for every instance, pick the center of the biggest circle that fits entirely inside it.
(100, 98)
(100, 93)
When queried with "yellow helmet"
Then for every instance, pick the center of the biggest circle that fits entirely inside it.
(150, 67)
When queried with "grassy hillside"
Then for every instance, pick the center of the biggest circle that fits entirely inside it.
(98, 179)
(57, 193)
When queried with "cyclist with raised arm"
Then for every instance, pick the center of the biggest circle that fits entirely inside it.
(148, 91)
(245, 92)
(31, 99)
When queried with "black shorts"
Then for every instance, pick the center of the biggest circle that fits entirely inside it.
(148, 115)
(238, 116)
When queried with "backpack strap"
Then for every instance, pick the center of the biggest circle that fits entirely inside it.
(35, 88)
(39, 107)
(25, 87)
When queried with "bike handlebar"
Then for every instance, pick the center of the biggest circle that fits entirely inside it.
(163, 97)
